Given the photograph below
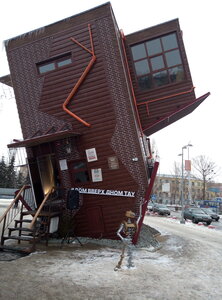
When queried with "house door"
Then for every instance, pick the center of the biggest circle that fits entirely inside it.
(95, 221)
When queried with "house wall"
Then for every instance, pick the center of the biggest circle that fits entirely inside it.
(103, 100)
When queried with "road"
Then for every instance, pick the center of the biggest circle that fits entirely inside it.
(185, 266)
(195, 232)
(217, 225)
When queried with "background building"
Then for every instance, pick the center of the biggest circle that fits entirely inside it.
(167, 189)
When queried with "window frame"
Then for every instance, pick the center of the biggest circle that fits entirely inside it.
(150, 76)
(72, 171)
(55, 60)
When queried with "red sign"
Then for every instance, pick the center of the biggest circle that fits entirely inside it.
(188, 165)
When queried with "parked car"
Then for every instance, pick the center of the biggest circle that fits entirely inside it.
(161, 209)
(210, 212)
(197, 215)
(150, 206)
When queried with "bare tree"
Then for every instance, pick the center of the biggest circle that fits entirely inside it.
(205, 171)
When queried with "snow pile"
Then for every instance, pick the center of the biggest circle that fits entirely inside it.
(186, 266)
(146, 239)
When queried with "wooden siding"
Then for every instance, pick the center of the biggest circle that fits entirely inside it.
(103, 100)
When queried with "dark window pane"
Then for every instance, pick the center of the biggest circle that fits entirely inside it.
(79, 165)
(81, 176)
(138, 51)
(64, 62)
(160, 78)
(176, 74)
(142, 67)
(154, 47)
(157, 63)
(169, 42)
(145, 82)
(173, 58)
(47, 68)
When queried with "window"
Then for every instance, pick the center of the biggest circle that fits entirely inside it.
(158, 62)
(46, 68)
(55, 63)
(78, 171)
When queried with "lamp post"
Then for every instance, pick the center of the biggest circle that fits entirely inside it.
(189, 182)
(182, 221)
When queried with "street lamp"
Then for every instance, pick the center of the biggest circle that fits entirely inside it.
(182, 221)
(189, 182)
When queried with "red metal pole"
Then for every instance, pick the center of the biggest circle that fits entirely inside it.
(147, 198)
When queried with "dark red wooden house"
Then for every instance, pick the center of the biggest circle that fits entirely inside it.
(88, 97)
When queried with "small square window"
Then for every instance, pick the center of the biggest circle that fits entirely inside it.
(145, 82)
(173, 58)
(142, 67)
(169, 42)
(160, 78)
(176, 74)
(138, 51)
(157, 63)
(154, 47)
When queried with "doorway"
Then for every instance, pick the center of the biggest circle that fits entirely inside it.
(46, 171)
(44, 175)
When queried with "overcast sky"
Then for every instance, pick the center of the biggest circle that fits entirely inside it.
(201, 24)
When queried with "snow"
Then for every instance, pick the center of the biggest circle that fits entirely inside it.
(186, 266)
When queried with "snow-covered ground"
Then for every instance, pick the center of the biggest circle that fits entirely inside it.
(187, 266)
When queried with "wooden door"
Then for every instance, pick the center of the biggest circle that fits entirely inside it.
(95, 221)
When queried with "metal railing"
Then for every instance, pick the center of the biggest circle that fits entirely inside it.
(23, 204)
(12, 211)
(40, 208)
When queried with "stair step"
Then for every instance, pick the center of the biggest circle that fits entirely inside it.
(29, 212)
(42, 213)
(21, 229)
(15, 248)
(25, 221)
(20, 238)
(21, 221)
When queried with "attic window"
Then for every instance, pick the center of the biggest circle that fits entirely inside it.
(158, 62)
(55, 63)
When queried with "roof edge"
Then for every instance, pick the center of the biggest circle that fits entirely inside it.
(174, 116)
(43, 28)
(6, 79)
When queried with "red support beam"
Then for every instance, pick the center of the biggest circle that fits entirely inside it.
(145, 204)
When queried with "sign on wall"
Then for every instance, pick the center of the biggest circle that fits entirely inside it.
(105, 192)
(91, 154)
(63, 164)
(96, 175)
(113, 163)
